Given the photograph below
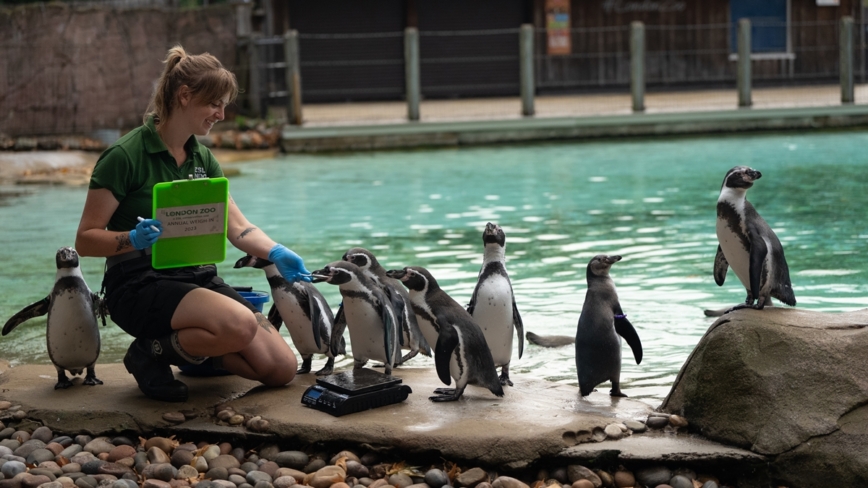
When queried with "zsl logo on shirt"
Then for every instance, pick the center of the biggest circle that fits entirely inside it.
(199, 173)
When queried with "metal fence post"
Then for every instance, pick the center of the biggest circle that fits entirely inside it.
(845, 61)
(525, 51)
(255, 89)
(411, 72)
(293, 77)
(743, 80)
(637, 65)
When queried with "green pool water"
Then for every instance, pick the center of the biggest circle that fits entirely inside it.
(650, 200)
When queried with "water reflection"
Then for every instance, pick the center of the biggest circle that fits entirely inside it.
(651, 201)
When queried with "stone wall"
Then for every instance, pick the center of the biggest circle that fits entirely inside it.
(70, 70)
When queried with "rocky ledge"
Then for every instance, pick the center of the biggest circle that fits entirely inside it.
(789, 384)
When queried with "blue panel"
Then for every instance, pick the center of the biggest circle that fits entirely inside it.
(768, 24)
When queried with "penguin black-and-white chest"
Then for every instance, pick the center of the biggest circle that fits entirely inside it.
(292, 301)
(72, 333)
(493, 310)
(366, 326)
(732, 233)
(424, 316)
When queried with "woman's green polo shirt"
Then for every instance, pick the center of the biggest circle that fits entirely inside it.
(136, 162)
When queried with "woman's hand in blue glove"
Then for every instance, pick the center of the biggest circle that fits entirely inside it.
(146, 233)
(290, 264)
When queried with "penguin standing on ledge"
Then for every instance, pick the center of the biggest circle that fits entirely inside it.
(748, 244)
(302, 307)
(461, 352)
(370, 317)
(598, 347)
(492, 305)
(411, 337)
(72, 332)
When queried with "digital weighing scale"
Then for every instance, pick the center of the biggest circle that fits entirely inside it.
(354, 391)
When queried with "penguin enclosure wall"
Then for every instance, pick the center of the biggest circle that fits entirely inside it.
(60, 75)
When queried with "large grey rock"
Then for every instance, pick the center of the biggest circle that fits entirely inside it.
(787, 383)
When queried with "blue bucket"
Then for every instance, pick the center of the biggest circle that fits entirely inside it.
(257, 299)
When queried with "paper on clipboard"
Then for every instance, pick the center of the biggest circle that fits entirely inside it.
(194, 217)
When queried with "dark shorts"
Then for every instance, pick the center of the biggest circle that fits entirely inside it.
(142, 300)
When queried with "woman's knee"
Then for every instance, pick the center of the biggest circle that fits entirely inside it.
(238, 327)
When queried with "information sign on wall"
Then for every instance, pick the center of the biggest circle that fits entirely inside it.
(558, 27)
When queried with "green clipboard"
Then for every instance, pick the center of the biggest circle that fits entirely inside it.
(194, 217)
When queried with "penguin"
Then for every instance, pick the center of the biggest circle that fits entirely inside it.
(550, 341)
(492, 305)
(305, 311)
(748, 244)
(461, 352)
(411, 337)
(598, 347)
(72, 332)
(370, 317)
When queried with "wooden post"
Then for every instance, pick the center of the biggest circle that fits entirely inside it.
(293, 77)
(255, 93)
(526, 71)
(637, 65)
(744, 75)
(845, 61)
(411, 72)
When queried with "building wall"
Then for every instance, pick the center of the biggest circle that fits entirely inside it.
(68, 70)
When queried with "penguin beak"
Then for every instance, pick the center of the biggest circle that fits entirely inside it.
(320, 275)
(612, 259)
(398, 274)
(754, 174)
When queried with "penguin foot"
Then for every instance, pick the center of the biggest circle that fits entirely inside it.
(446, 394)
(92, 381)
(504, 376)
(62, 385)
(329, 368)
(305, 365)
(617, 394)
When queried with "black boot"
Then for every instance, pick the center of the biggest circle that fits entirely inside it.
(149, 360)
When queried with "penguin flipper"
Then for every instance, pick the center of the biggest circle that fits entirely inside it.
(389, 327)
(447, 341)
(36, 309)
(274, 317)
(398, 305)
(519, 327)
(337, 343)
(721, 265)
(625, 329)
(758, 253)
(313, 308)
(472, 305)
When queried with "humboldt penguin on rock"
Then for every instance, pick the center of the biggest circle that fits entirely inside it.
(72, 332)
(411, 337)
(461, 352)
(598, 347)
(749, 246)
(370, 317)
(492, 305)
(305, 311)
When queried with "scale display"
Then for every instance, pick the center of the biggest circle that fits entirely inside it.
(354, 391)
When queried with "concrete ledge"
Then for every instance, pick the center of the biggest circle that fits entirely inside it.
(387, 136)
(535, 420)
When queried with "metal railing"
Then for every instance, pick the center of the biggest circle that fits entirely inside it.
(486, 66)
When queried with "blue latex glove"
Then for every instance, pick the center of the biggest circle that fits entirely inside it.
(146, 233)
(290, 264)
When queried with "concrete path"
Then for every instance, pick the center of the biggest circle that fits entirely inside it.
(384, 125)
(534, 420)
